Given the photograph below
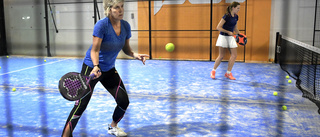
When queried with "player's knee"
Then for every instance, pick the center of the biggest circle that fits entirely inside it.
(126, 104)
(123, 103)
(234, 56)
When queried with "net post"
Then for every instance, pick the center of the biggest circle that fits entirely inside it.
(315, 62)
(277, 46)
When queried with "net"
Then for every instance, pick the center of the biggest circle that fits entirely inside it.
(302, 62)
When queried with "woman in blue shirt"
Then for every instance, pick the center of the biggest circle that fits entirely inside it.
(226, 26)
(110, 36)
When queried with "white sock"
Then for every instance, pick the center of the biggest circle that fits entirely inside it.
(228, 72)
(213, 69)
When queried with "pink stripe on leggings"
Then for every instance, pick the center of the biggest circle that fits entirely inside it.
(120, 118)
(118, 89)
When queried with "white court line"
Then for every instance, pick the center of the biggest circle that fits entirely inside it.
(32, 67)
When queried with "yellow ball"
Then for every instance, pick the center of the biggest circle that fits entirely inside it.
(14, 89)
(45, 60)
(284, 107)
(275, 93)
(170, 47)
(7, 56)
(0, 67)
(287, 77)
(289, 81)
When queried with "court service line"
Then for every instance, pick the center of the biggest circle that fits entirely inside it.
(32, 67)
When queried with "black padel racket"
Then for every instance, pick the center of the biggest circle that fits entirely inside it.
(241, 39)
(74, 86)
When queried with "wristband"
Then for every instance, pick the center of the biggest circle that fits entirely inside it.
(97, 66)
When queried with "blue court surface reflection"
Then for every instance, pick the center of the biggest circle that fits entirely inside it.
(167, 98)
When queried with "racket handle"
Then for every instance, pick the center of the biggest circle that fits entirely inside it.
(91, 76)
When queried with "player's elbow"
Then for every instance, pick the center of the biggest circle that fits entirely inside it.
(219, 28)
(95, 51)
(125, 51)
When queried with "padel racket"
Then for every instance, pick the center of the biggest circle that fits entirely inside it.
(241, 39)
(74, 86)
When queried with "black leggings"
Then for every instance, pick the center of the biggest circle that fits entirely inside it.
(113, 83)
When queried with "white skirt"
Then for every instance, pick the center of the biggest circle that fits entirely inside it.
(226, 41)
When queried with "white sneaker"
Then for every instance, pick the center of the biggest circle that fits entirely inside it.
(116, 131)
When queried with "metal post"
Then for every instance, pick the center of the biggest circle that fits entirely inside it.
(47, 27)
(313, 43)
(54, 22)
(245, 31)
(211, 4)
(3, 41)
(95, 11)
(150, 38)
(315, 22)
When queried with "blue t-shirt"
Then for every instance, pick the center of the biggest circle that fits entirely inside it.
(111, 43)
(231, 22)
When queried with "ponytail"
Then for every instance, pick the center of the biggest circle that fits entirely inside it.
(228, 10)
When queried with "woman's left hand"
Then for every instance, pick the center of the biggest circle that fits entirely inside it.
(141, 57)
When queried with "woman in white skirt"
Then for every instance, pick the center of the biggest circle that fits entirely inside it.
(226, 26)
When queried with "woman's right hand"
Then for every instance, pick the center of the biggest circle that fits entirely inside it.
(230, 33)
(96, 71)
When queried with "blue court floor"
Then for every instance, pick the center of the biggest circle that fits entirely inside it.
(167, 99)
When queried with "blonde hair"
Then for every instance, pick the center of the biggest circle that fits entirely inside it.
(107, 5)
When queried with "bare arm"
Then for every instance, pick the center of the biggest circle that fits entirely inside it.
(96, 44)
(219, 27)
(127, 50)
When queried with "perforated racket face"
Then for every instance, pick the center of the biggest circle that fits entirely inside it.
(241, 39)
(72, 86)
